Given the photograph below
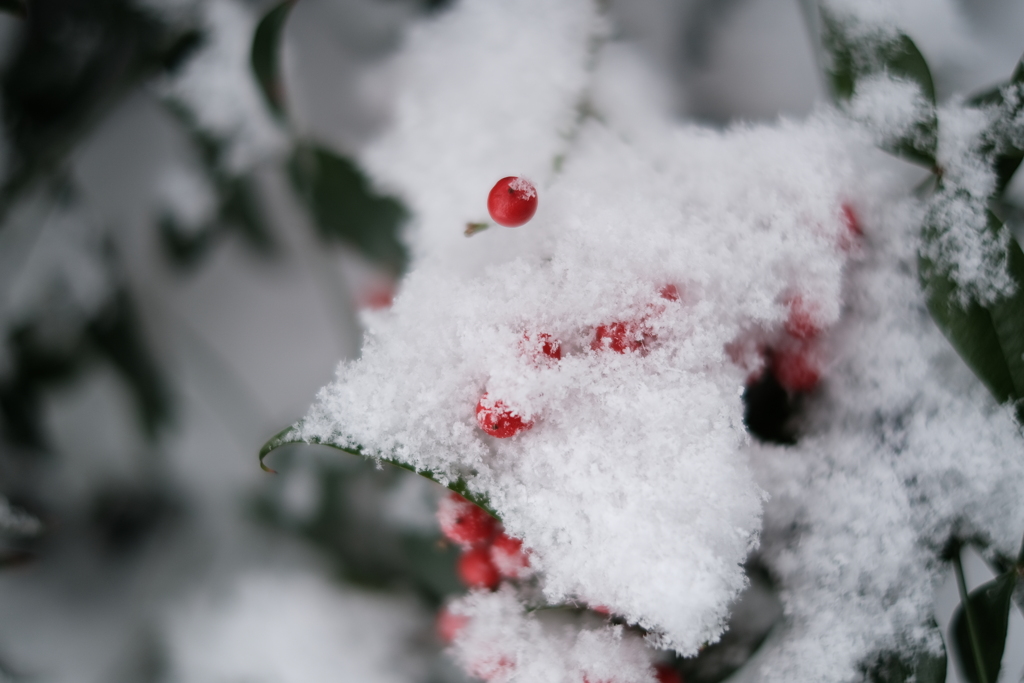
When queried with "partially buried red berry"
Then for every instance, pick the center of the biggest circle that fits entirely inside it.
(508, 557)
(541, 345)
(476, 569)
(463, 522)
(670, 292)
(796, 369)
(498, 420)
(512, 201)
(853, 232)
(801, 322)
(449, 625)
(666, 674)
(620, 337)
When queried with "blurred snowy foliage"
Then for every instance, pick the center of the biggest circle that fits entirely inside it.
(180, 269)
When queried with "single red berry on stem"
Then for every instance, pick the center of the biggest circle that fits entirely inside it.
(508, 556)
(463, 522)
(498, 420)
(476, 569)
(512, 201)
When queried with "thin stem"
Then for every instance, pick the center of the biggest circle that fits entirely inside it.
(972, 629)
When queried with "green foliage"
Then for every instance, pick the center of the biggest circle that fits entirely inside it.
(990, 338)
(346, 208)
(18, 8)
(919, 666)
(366, 547)
(989, 606)
(1000, 139)
(854, 55)
(265, 55)
(293, 435)
(54, 89)
(113, 335)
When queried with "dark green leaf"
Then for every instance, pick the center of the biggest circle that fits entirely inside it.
(345, 207)
(854, 56)
(1008, 320)
(921, 666)
(970, 330)
(16, 7)
(989, 339)
(266, 55)
(293, 435)
(990, 606)
(1003, 133)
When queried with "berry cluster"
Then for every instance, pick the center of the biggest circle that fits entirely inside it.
(488, 554)
(500, 420)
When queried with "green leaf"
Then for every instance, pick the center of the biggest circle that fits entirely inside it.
(989, 339)
(18, 8)
(293, 435)
(854, 56)
(266, 52)
(346, 208)
(990, 607)
(920, 666)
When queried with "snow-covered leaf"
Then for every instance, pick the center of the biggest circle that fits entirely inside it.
(857, 56)
(990, 607)
(922, 665)
(266, 51)
(990, 338)
(295, 435)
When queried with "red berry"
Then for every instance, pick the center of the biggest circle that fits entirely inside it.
(670, 292)
(850, 220)
(801, 321)
(619, 337)
(463, 522)
(449, 625)
(476, 569)
(601, 609)
(796, 369)
(542, 344)
(853, 229)
(512, 201)
(498, 420)
(508, 556)
(666, 674)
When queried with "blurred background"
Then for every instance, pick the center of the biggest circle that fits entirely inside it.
(186, 250)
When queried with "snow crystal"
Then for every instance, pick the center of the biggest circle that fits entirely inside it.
(293, 628)
(217, 89)
(888, 106)
(963, 243)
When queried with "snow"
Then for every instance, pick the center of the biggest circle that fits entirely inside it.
(293, 628)
(501, 642)
(638, 487)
